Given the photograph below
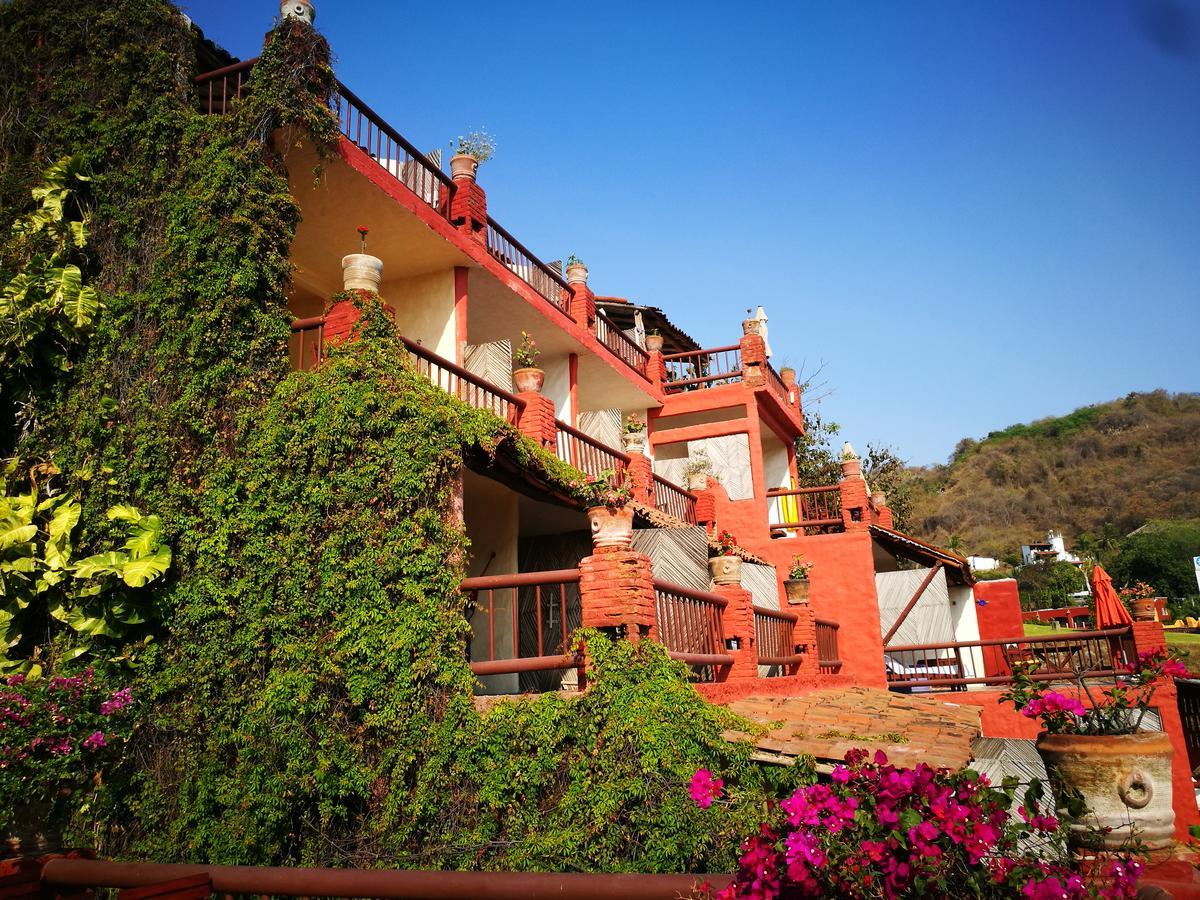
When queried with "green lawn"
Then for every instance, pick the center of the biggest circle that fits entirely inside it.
(1032, 628)
(1177, 637)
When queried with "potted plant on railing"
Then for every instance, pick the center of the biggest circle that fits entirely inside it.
(796, 585)
(654, 341)
(527, 378)
(1113, 781)
(577, 272)
(472, 149)
(725, 565)
(1142, 601)
(634, 434)
(608, 509)
(696, 471)
(851, 464)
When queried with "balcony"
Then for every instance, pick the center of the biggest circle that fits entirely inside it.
(809, 509)
(585, 453)
(716, 367)
(690, 627)
(773, 634)
(411, 250)
(962, 665)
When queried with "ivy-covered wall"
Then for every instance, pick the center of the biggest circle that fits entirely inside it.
(307, 698)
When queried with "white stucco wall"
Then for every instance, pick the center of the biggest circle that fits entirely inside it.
(491, 515)
(425, 310)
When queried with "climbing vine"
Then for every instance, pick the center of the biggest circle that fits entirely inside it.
(307, 697)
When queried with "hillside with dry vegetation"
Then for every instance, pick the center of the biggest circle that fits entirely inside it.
(1098, 472)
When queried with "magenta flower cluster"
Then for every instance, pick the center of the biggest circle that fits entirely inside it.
(876, 830)
(58, 732)
(705, 789)
(1053, 703)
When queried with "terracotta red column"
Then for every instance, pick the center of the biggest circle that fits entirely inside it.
(738, 624)
(616, 589)
(537, 421)
(641, 478)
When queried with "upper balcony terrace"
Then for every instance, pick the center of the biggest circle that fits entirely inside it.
(457, 279)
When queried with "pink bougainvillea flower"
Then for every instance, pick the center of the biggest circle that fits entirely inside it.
(705, 789)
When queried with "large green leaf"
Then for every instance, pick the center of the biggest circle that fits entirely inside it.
(110, 563)
(137, 572)
(123, 512)
(144, 537)
(15, 530)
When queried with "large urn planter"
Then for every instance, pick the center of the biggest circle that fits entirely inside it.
(726, 569)
(751, 326)
(634, 441)
(362, 272)
(852, 467)
(577, 273)
(697, 481)
(611, 527)
(529, 381)
(464, 166)
(1145, 610)
(654, 342)
(1125, 780)
(796, 590)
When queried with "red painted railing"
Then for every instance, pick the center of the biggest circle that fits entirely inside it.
(674, 500)
(307, 345)
(74, 877)
(810, 507)
(773, 634)
(545, 595)
(519, 260)
(621, 345)
(690, 626)
(404, 162)
(703, 368)
(828, 660)
(589, 455)
(466, 386)
(953, 665)
(775, 380)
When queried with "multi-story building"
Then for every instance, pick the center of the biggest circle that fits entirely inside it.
(885, 610)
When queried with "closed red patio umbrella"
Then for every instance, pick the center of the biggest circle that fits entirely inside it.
(1110, 611)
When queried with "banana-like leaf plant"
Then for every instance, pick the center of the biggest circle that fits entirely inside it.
(101, 596)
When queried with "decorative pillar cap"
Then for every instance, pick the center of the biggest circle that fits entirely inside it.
(577, 272)
(298, 9)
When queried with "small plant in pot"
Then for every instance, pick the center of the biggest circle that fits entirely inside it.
(1141, 600)
(796, 585)
(577, 272)
(1112, 780)
(654, 341)
(725, 565)
(696, 471)
(527, 378)
(634, 434)
(471, 150)
(607, 497)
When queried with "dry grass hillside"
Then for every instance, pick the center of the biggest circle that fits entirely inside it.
(1123, 463)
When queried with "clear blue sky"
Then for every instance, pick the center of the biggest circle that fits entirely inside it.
(973, 214)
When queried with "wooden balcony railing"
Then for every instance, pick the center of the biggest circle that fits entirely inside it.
(703, 368)
(690, 627)
(622, 345)
(828, 660)
(588, 455)
(542, 610)
(466, 386)
(674, 500)
(307, 345)
(955, 664)
(221, 87)
(810, 507)
(404, 162)
(519, 260)
(773, 633)
(775, 381)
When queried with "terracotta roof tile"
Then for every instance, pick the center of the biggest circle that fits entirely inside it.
(827, 723)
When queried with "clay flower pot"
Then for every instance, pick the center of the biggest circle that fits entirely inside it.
(726, 569)
(1145, 610)
(463, 166)
(852, 467)
(361, 272)
(751, 326)
(1124, 779)
(879, 498)
(529, 381)
(577, 273)
(611, 527)
(634, 441)
(796, 590)
(698, 481)
(654, 343)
